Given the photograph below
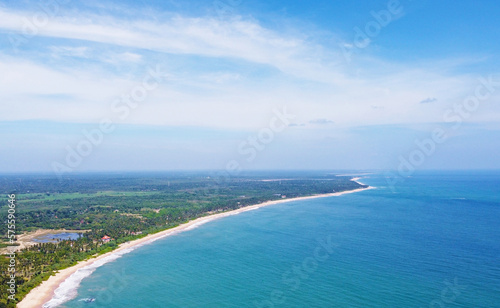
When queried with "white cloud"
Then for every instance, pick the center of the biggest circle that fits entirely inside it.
(130, 57)
(221, 77)
(237, 39)
(428, 100)
(81, 52)
(321, 121)
(312, 84)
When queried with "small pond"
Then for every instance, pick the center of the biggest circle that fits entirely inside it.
(54, 237)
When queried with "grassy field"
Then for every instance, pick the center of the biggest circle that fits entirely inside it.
(32, 197)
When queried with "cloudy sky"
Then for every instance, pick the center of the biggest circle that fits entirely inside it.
(161, 85)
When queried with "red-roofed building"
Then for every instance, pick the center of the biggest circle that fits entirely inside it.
(105, 239)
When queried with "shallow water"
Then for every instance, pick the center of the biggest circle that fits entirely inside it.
(430, 241)
(54, 237)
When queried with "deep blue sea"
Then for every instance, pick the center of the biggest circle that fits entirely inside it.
(432, 240)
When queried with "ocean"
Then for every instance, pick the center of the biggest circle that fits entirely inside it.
(432, 240)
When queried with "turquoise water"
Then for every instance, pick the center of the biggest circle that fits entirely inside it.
(431, 241)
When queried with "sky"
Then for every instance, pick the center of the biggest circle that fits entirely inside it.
(236, 85)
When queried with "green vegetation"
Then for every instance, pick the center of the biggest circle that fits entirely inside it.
(121, 206)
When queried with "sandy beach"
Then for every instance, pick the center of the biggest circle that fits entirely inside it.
(44, 292)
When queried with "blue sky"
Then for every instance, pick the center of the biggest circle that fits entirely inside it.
(364, 83)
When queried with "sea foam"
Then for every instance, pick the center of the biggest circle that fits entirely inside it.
(67, 290)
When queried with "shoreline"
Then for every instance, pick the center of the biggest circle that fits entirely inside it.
(43, 293)
(25, 240)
